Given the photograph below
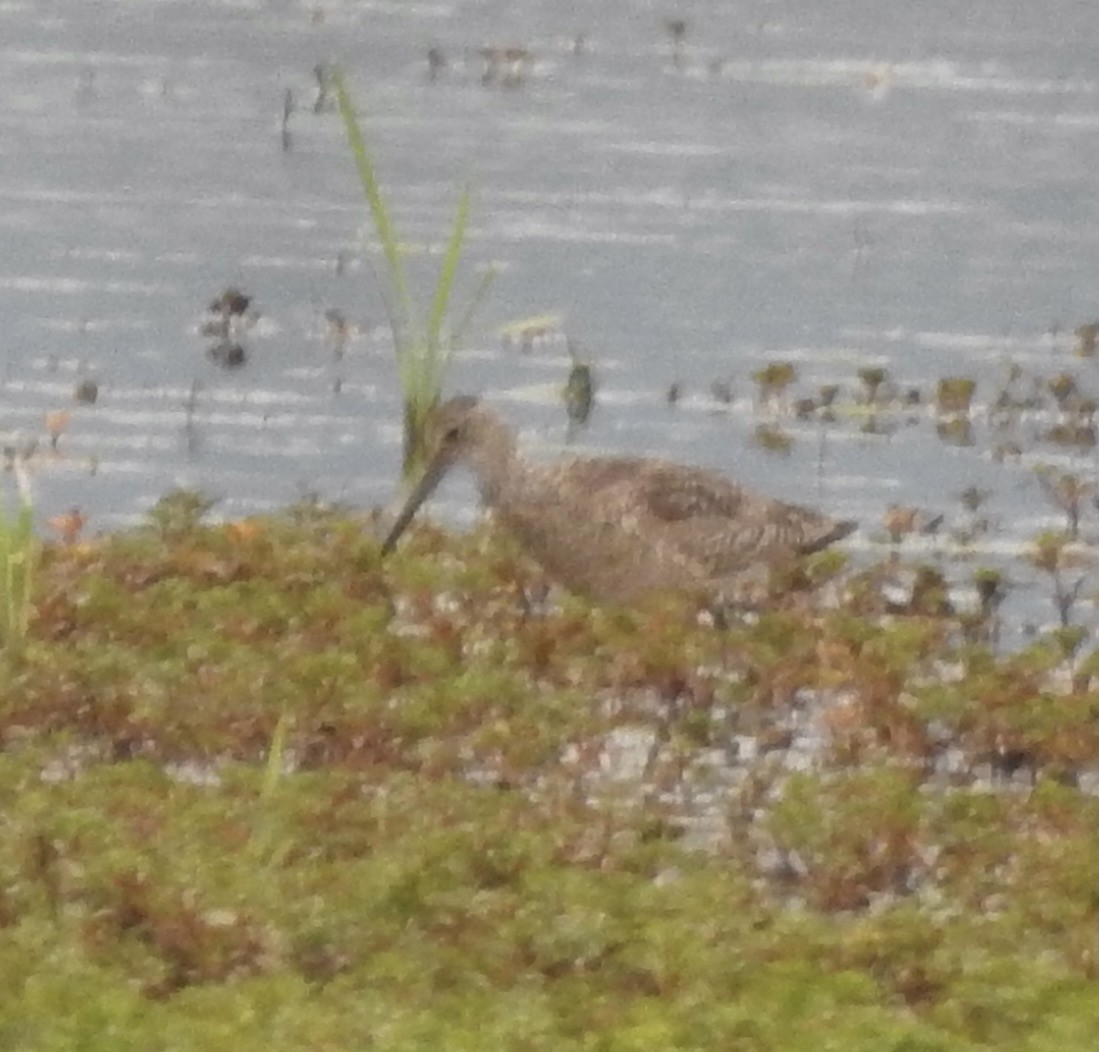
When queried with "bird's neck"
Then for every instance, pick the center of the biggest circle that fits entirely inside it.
(496, 466)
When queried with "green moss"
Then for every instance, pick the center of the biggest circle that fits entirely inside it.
(444, 851)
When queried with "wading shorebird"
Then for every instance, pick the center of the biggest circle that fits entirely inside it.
(620, 528)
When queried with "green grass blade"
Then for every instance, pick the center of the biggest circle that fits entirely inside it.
(398, 330)
(382, 223)
(272, 771)
(479, 294)
(6, 564)
(18, 553)
(9, 599)
(28, 545)
(439, 352)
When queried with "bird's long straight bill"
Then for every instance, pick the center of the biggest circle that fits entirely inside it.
(421, 492)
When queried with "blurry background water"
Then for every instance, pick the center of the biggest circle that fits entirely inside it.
(691, 190)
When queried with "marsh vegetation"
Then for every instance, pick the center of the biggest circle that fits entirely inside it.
(261, 786)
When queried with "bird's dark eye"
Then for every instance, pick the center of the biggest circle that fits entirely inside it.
(451, 435)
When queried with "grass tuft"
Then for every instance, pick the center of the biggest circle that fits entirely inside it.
(423, 340)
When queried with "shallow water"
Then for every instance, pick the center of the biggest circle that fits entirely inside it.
(916, 190)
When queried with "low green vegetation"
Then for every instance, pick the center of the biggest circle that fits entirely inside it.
(18, 558)
(261, 789)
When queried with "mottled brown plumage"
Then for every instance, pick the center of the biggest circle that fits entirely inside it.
(620, 528)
